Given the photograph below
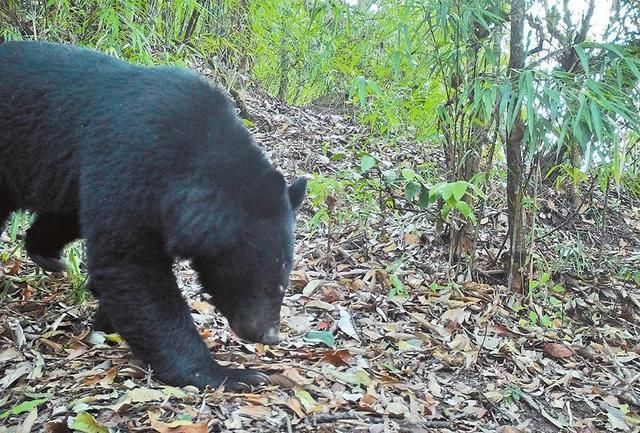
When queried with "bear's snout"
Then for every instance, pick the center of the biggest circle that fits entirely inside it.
(257, 332)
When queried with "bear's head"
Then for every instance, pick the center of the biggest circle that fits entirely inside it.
(246, 266)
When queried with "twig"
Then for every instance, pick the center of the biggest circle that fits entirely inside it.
(604, 215)
(351, 273)
(326, 418)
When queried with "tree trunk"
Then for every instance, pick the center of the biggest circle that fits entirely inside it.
(514, 140)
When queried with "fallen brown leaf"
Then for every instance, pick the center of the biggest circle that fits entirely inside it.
(176, 426)
(558, 350)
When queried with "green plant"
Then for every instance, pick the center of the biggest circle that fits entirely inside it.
(513, 393)
(397, 289)
(544, 293)
(75, 273)
(322, 192)
(452, 194)
(570, 255)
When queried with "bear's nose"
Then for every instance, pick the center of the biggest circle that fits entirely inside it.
(271, 336)
(257, 331)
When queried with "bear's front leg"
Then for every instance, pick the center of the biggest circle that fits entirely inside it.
(138, 293)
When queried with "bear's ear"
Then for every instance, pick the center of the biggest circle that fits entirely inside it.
(297, 191)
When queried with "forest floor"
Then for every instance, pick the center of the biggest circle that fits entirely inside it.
(445, 354)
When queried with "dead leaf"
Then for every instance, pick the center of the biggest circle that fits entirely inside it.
(203, 308)
(109, 377)
(11, 354)
(295, 405)
(411, 239)
(311, 287)
(508, 429)
(397, 407)
(306, 400)
(178, 426)
(282, 381)
(258, 412)
(558, 350)
(85, 422)
(338, 358)
(29, 421)
(346, 324)
(56, 427)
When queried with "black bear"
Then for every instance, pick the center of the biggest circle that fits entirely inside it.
(147, 164)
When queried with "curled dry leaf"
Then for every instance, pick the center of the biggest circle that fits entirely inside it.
(282, 381)
(338, 358)
(56, 427)
(558, 350)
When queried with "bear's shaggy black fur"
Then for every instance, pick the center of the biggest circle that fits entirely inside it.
(146, 164)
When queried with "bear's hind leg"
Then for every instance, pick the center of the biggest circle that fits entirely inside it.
(46, 238)
(139, 296)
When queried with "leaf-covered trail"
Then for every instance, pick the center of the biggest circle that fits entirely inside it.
(444, 357)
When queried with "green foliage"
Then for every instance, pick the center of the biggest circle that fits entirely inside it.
(146, 32)
(513, 393)
(455, 196)
(397, 289)
(75, 270)
(545, 306)
(373, 53)
(25, 406)
(570, 256)
(452, 194)
(588, 108)
(322, 191)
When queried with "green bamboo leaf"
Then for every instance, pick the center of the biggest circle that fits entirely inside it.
(373, 85)
(531, 111)
(395, 63)
(579, 114)
(583, 58)
(611, 47)
(562, 136)
(504, 102)
(490, 56)
(596, 120)
(25, 406)
(631, 64)
(488, 98)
